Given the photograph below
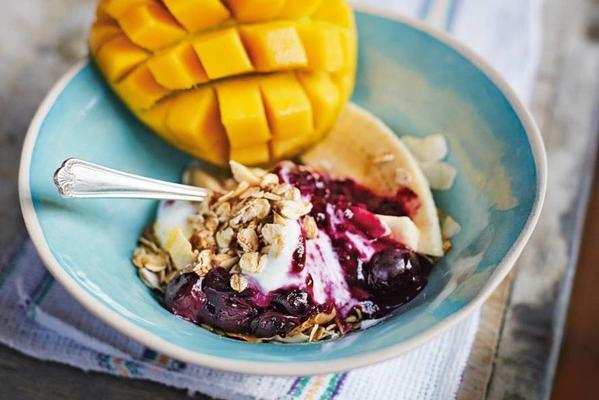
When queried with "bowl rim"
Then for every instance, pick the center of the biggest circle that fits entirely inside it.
(290, 368)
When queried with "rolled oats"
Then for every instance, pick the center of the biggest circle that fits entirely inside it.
(293, 209)
(224, 238)
(204, 262)
(310, 227)
(272, 234)
(223, 211)
(249, 262)
(225, 260)
(269, 181)
(247, 238)
(241, 173)
(238, 282)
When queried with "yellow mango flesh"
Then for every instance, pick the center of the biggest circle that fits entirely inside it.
(299, 8)
(255, 10)
(178, 67)
(250, 80)
(222, 54)
(151, 26)
(252, 155)
(287, 107)
(140, 89)
(101, 33)
(274, 46)
(118, 56)
(197, 15)
(194, 120)
(242, 111)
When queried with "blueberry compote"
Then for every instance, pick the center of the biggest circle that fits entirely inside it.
(356, 265)
(382, 274)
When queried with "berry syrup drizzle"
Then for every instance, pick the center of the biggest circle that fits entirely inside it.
(372, 272)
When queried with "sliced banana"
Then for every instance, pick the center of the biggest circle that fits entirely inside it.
(363, 148)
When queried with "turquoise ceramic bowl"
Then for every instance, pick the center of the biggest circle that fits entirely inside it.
(419, 82)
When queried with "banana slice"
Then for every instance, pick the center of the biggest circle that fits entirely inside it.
(363, 148)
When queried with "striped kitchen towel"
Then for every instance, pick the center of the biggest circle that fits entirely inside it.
(40, 319)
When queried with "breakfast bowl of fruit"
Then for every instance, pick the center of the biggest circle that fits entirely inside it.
(355, 183)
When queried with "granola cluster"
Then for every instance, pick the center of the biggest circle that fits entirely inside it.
(237, 227)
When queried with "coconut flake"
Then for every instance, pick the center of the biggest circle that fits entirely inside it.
(440, 175)
(402, 229)
(429, 148)
(450, 227)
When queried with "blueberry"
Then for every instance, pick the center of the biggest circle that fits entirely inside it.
(217, 279)
(272, 323)
(295, 302)
(387, 268)
(227, 311)
(184, 297)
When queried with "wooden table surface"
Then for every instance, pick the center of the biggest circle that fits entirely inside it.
(529, 334)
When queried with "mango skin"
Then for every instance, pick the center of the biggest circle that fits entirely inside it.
(252, 80)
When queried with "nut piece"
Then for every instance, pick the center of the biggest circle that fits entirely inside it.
(226, 261)
(204, 262)
(293, 209)
(272, 234)
(224, 237)
(248, 239)
(310, 227)
(223, 211)
(262, 208)
(250, 262)
(269, 180)
(238, 283)
(241, 173)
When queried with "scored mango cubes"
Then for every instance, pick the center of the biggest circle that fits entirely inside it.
(274, 46)
(242, 111)
(140, 89)
(250, 80)
(178, 67)
(151, 26)
(324, 46)
(118, 56)
(222, 53)
(255, 10)
(287, 106)
(198, 15)
(194, 120)
(299, 8)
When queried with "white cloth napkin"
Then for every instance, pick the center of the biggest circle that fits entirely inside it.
(40, 319)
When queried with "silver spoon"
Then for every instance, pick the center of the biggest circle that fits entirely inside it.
(81, 179)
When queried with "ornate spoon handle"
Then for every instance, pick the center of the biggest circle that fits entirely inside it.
(78, 178)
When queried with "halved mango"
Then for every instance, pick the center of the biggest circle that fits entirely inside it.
(118, 56)
(255, 10)
(178, 67)
(198, 15)
(212, 46)
(139, 89)
(287, 107)
(194, 119)
(242, 111)
(151, 26)
(274, 46)
(252, 80)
